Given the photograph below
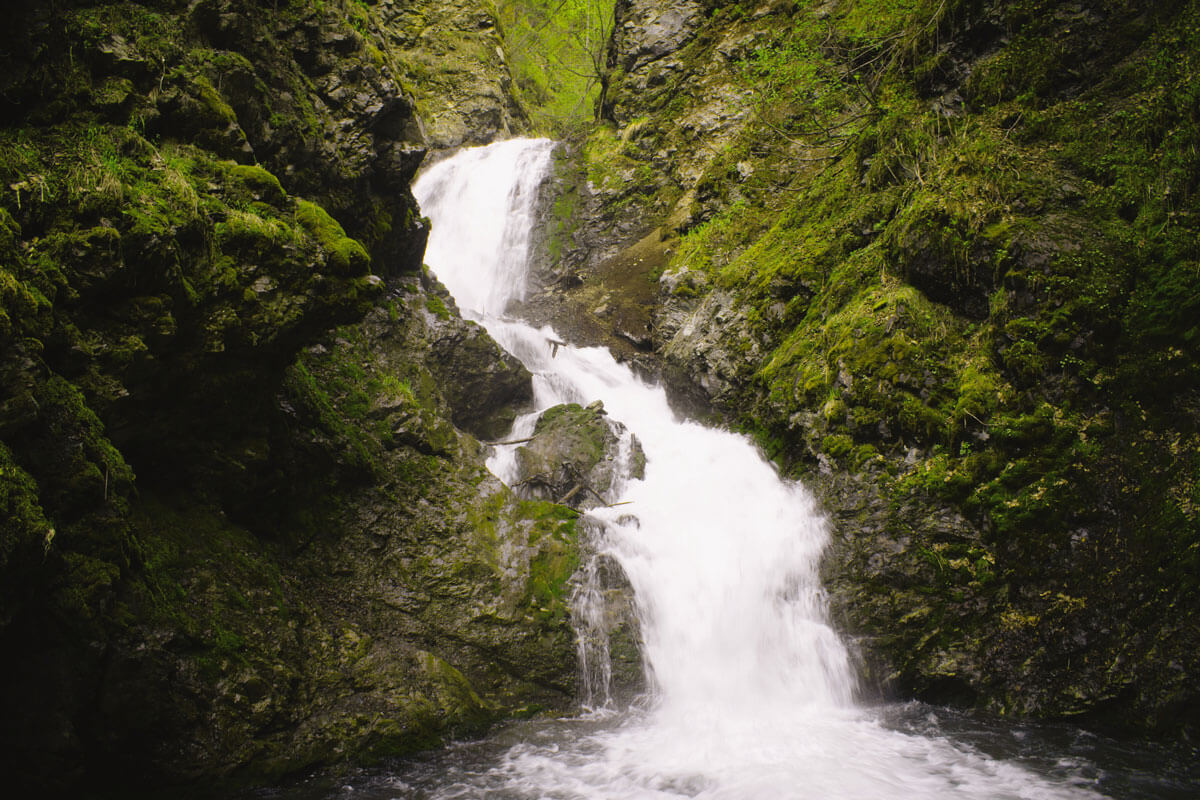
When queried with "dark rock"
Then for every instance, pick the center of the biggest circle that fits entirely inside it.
(315, 567)
(484, 386)
(608, 633)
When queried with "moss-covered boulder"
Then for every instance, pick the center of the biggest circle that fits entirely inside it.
(575, 456)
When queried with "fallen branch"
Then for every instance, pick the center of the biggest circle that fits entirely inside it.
(562, 501)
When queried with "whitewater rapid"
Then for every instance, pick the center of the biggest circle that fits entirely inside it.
(752, 691)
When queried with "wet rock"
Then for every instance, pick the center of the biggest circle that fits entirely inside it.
(575, 457)
(608, 632)
(484, 385)
(711, 351)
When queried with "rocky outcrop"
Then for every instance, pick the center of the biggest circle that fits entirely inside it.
(579, 456)
(452, 56)
(484, 386)
(707, 354)
(921, 254)
(575, 456)
(645, 49)
(239, 540)
(399, 596)
(608, 634)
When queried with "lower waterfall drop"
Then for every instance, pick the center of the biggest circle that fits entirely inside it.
(751, 689)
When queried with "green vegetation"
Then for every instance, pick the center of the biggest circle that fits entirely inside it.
(345, 254)
(556, 559)
(219, 453)
(556, 51)
(959, 244)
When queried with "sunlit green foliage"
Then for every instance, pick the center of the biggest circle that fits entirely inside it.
(556, 50)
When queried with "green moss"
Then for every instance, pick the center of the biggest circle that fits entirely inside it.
(565, 215)
(26, 535)
(212, 101)
(338, 405)
(838, 445)
(93, 471)
(436, 306)
(20, 304)
(260, 183)
(90, 584)
(556, 558)
(346, 255)
(605, 159)
(397, 388)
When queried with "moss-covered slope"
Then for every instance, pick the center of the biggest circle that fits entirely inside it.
(941, 258)
(237, 540)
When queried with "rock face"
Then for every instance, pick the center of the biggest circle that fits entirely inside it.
(236, 539)
(576, 457)
(452, 55)
(646, 43)
(483, 385)
(706, 356)
(943, 283)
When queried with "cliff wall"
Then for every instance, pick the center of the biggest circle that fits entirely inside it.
(246, 527)
(939, 258)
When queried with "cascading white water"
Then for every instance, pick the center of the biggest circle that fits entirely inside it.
(752, 689)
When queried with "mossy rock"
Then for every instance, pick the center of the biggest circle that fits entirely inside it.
(574, 456)
(347, 256)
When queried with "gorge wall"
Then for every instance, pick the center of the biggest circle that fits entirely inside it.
(246, 526)
(940, 259)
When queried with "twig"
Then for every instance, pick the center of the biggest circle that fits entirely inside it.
(562, 501)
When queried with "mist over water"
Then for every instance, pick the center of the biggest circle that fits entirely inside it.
(752, 691)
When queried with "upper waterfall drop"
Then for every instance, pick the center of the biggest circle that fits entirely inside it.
(480, 249)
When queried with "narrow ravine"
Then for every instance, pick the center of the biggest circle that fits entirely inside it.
(752, 692)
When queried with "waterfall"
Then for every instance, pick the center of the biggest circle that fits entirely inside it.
(752, 690)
